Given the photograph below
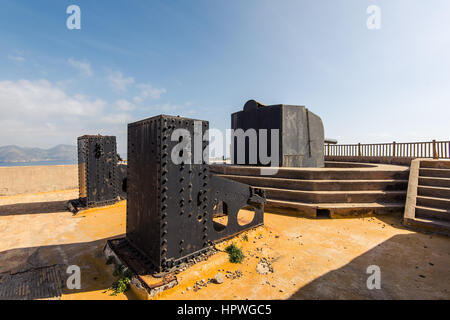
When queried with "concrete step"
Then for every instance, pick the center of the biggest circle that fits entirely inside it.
(338, 164)
(321, 185)
(316, 173)
(334, 209)
(433, 202)
(432, 213)
(437, 192)
(437, 164)
(335, 196)
(434, 182)
(440, 173)
(431, 225)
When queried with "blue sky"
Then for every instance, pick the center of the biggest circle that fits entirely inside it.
(204, 59)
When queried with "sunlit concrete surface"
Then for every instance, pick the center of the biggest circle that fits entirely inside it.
(23, 180)
(311, 258)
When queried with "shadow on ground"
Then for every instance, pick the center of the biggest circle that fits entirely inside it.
(95, 273)
(413, 266)
(33, 208)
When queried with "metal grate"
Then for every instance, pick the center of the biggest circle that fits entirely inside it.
(37, 283)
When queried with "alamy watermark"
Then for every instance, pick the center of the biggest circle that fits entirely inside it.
(251, 142)
(74, 280)
(73, 22)
(374, 19)
(374, 280)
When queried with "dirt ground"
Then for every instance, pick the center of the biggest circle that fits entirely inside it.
(306, 258)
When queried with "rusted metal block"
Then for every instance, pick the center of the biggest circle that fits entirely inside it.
(171, 204)
(97, 170)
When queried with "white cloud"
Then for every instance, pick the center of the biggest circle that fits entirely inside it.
(124, 105)
(118, 118)
(38, 113)
(118, 81)
(147, 90)
(16, 58)
(170, 108)
(42, 99)
(83, 67)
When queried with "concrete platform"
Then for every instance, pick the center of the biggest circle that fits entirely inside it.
(339, 189)
(311, 258)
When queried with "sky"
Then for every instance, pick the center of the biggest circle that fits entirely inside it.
(204, 59)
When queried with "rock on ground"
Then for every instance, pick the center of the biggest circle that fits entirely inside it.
(264, 266)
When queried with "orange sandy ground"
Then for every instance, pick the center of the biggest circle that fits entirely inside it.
(311, 258)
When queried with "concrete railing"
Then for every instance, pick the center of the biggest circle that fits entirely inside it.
(432, 149)
(33, 179)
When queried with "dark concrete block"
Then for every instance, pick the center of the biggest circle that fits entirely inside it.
(301, 134)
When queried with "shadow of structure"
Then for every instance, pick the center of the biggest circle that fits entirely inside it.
(21, 269)
(33, 208)
(412, 266)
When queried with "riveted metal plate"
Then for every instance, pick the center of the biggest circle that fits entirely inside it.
(97, 170)
(170, 202)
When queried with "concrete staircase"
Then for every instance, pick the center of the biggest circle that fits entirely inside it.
(428, 200)
(327, 192)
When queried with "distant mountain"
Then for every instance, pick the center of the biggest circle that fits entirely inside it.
(61, 152)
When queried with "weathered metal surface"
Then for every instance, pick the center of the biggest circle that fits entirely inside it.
(122, 180)
(36, 283)
(301, 134)
(97, 168)
(139, 264)
(170, 206)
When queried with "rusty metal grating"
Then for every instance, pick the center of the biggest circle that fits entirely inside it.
(38, 283)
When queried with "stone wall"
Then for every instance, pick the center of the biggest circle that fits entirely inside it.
(21, 180)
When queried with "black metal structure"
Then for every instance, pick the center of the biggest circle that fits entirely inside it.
(97, 170)
(172, 197)
(300, 135)
(122, 179)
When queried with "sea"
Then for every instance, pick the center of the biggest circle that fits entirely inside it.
(36, 163)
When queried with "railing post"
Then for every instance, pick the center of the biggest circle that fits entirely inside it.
(393, 149)
(328, 151)
(435, 153)
(359, 149)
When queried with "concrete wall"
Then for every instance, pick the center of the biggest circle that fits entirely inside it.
(384, 160)
(20, 180)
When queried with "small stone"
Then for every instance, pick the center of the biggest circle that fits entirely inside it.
(188, 288)
(264, 267)
(218, 278)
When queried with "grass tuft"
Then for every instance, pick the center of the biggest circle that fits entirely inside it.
(123, 283)
(235, 254)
